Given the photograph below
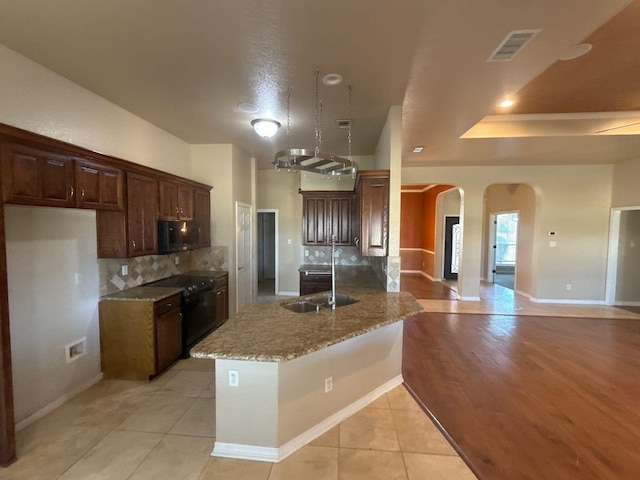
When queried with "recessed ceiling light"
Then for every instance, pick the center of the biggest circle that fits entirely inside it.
(332, 79)
(577, 51)
(248, 108)
(417, 149)
(506, 103)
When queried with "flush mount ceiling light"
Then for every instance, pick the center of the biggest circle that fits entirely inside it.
(265, 127)
(332, 79)
(506, 103)
(314, 160)
(417, 149)
(577, 51)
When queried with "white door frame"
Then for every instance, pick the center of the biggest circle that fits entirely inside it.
(275, 211)
(493, 234)
(250, 249)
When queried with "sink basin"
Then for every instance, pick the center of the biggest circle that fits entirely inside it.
(311, 304)
(323, 300)
(301, 307)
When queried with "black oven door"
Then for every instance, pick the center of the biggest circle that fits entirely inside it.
(198, 318)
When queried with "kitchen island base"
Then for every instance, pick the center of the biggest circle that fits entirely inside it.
(278, 407)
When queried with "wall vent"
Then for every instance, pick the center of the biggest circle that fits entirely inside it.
(345, 123)
(511, 45)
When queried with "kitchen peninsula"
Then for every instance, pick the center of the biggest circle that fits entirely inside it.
(284, 378)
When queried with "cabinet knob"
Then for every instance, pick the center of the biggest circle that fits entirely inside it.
(356, 240)
(82, 194)
(133, 243)
(71, 191)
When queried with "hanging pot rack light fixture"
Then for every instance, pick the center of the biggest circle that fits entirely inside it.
(314, 160)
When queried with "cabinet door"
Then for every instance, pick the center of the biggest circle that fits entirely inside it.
(98, 187)
(222, 305)
(374, 216)
(340, 213)
(168, 200)
(142, 194)
(185, 202)
(314, 220)
(168, 338)
(35, 177)
(202, 215)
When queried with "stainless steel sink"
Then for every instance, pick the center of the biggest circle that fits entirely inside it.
(341, 300)
(314, 304)
(301, 307)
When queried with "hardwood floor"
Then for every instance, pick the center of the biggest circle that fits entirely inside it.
(531, 397)
(421, 287)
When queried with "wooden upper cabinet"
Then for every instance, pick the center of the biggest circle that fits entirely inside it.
(176, 201)
(325, 214)
(202, 215)
(36, 177)
(98, 186)
(142, 214)
(373, 197)
(314, 219)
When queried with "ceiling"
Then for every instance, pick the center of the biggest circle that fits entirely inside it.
(187, 65)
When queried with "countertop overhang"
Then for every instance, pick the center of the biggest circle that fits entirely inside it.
(267, 332)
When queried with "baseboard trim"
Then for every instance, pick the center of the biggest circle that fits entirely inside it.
(567, 301)
(626, 304)
(50, 407)
(468, 299)
(426, 275)
(276, 454)
(288, 294)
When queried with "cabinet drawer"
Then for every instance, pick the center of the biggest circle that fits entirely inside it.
(221, 282)
(316, 278)
(163, 306)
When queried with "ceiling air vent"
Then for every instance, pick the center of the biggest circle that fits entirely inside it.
(346, 123)
(511, 45)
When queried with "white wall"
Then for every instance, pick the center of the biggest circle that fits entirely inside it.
(279, 191)
(46, 248)
(625, 184)
(573, 201)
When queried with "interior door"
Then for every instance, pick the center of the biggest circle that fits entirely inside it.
(243, 254)
(451, 247)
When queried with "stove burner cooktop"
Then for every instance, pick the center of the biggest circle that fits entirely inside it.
(190, 283)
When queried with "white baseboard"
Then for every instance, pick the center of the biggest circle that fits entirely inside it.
(272, 454)
(288, 294)
(626, 304)
(567, 301)
(468, 299)
(50, 407)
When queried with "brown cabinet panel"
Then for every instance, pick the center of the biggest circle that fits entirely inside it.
(222, 305)
(168, 338)
(310, 284)
(176, 202)
(142, 217)
(36, 177)
(325, 214)
(139, 339)
(373, 197)
(98, 186)
(202, 215)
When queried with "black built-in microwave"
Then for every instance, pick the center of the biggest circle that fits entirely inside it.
(177, 235)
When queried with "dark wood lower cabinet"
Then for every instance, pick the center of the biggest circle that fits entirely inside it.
(221, 293)
(314, 283)
(139, 339)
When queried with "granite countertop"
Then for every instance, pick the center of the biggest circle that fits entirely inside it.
(145, 293)
(268, 332)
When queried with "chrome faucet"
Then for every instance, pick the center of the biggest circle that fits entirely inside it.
(332, 299)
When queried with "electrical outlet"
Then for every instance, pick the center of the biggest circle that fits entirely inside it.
(306, 253)
(75, 350)
(124, 270)
(328, 384)
(177, 260)
(569, 286)
(234, 378)
(78, 278)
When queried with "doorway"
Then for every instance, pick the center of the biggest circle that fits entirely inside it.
(267, 252)
(505, 244)
(451, 247)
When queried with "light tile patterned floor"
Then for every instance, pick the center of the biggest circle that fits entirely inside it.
(165, 430)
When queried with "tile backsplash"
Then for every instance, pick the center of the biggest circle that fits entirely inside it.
(344, 256)
(149, 268)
